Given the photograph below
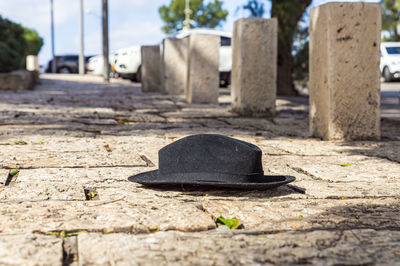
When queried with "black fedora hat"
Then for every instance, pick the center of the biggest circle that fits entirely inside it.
(210, 160)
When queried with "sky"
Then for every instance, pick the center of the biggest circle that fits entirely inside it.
(131, 22)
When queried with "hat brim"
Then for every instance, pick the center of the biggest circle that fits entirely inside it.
(154, 179)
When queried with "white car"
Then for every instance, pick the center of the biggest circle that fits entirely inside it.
(390, 60)
(225, 52)
(128, 62)
(95, 64)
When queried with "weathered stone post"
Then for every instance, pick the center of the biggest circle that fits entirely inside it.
(344, 71)
(32, 63)
(174, 65)
(151, 69)
(203, 73)
(254, 66)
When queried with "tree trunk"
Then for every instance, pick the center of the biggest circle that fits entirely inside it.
(288, 13)
(396, 32)
(285, 74)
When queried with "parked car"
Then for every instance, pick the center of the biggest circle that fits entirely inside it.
(66, 64)
(95, 65)
(128, 63)
(390, 60)
(128, 60)
(225, 52)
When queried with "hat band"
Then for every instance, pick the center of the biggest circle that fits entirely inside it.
(214, 177)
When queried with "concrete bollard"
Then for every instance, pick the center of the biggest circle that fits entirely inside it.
(254, 66)
(344, 71)
(203, 73)
(32, 63)
(174, 65)
(151, 69)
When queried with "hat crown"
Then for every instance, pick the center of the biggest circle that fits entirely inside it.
(210, 153)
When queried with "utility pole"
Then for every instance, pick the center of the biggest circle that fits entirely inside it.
(53, 65)
(187, 22)
(106, 70)
(81, 52)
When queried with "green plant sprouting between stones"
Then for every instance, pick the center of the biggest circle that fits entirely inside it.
(232, 223)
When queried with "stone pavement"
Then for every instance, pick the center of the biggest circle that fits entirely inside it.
(76, 141)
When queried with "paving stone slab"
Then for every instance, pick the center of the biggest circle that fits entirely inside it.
(300, 215)
(269, 129)
(338, 176)
(200, 111)
(348, 247)
(349, 169)
(69, 152)
(69, 184)
(308, 147)
(30, 249)
(314, 147)
(3, 176)
(389, 150)
(78, 176)
(139, 214)
(41, 192)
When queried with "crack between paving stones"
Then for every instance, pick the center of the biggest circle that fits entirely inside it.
(304, 172)
(70, 251)
(175, 102)
(41, 200)
(129, 230)
(148, 162)
(69, 167)
(224, 121)
(186, 201)
(98, 132)
(288, 153)
(11, 178)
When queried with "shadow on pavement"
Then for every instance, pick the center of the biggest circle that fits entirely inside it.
(224, 193)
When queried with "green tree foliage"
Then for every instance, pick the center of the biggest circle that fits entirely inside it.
(16, 42)
(391, 19)
(34, 42)
(12, 45)
(255, 8)
(289, 14)
(209, 15)
(9, 58)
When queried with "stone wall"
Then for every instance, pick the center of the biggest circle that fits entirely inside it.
(19, 80)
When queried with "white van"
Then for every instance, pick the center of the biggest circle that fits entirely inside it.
(390, 60)
(225, 52)
(127, 63)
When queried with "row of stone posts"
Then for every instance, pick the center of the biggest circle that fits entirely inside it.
(344, 69)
